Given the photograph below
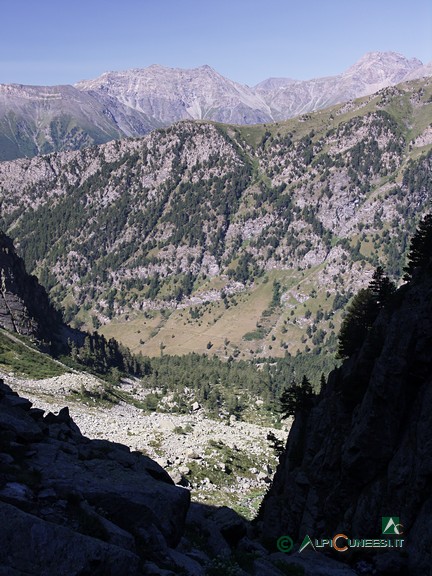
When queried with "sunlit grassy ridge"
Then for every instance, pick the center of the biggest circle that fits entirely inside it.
(24, 359)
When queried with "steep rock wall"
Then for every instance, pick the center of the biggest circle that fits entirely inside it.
(24, 303)
(365, 449)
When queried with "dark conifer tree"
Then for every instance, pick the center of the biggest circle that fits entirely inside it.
(420, 254)
(360, 316)
(362, 312)
(381, 287)
(296, 398)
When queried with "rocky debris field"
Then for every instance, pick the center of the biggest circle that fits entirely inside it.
(220, 462)
(76, 506)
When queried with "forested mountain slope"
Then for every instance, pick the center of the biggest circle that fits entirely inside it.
(247, 236)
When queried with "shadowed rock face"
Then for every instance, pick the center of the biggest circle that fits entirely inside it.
(70, 505)
(24, 304)
(365, 449)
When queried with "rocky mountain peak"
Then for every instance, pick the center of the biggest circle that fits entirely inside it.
(379, 67)
(156, 76)
(170, 94)
(38, 120)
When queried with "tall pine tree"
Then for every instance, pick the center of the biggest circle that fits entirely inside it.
(420, 254)
(362, 312)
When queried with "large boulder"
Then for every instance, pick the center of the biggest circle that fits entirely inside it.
(32, 546)
(71, 505)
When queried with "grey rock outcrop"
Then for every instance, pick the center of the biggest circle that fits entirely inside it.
(364, 451)
(70, 505)
(24, 304)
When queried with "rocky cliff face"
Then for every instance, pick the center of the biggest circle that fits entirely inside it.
(24, 304)
(364, 450)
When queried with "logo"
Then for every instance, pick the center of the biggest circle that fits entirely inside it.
(391, 525)
(306, 542)
(285, 544)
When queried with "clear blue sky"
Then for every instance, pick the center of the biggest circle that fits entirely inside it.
(61, 42)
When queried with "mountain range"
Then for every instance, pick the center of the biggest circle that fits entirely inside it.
(41, 119)
(251, 237)
(241, 241)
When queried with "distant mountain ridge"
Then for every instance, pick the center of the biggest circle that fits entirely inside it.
(41, 119)
(37, 120)
(374, 71)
